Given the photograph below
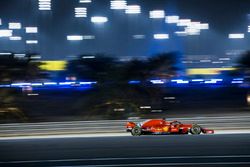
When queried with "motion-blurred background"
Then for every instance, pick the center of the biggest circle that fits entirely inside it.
(117, 59)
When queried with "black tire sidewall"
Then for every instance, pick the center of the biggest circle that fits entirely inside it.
(195, 130)
(136, 131)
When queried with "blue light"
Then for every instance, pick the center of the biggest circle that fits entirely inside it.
(37, 84)
(210, 82)
(180, 81)
(237, 82)
(238, 79)
(66, 83)
(213, 81)
(87, 83)
(134, 82)
(157, 81)
(4, 86)
(197, 80)
(219, 80)
(176, 80)
(50, 83)
(20, 84)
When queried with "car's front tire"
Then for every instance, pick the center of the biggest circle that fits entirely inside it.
(195, 130)
(136, 131)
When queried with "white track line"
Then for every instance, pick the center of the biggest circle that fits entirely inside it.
(219, 132)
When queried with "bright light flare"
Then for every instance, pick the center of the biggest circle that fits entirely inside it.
(88, 83)
(15, 26)
(66, 83)
(133, 9)
(88, 57)
(5, 53)
(157, 81)
(192, 31)
(31, 30)
(80, 12)
(204, 26)
(184, 22)
(79, 37)
(157, 14)
(36, 84)
(172, 19)
(37, 57)
(118, 4)
(15, 38)
(44, 5)
(236, 36)
(145, 107)
(74, 37)
(6, 33)
(50, 83)
(20, 84)
(213, 81)
(248, 99)
(19, 55)
(31, 41)
(197, 80)
(161, 36)
(181, 33)
(85, 1)
(180, 81)
(99, 19)
(237, 82)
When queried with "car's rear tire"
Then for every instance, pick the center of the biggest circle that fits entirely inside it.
(136, 131)
(195, 130)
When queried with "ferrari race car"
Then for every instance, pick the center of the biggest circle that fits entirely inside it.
(161, 126)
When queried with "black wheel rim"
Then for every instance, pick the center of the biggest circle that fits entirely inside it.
(196, 130)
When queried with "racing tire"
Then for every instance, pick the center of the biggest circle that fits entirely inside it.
(136, 131)
(195, 130)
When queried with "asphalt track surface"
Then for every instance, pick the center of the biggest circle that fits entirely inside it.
(231, 124)
(164, 150)
(104, 143)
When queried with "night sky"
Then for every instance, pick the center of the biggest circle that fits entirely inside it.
(116, 36)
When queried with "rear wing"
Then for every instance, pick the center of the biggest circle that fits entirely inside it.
(130, 125)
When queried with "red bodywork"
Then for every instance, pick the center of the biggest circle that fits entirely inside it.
(161, 126)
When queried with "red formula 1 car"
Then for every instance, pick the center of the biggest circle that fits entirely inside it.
(161, 126)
